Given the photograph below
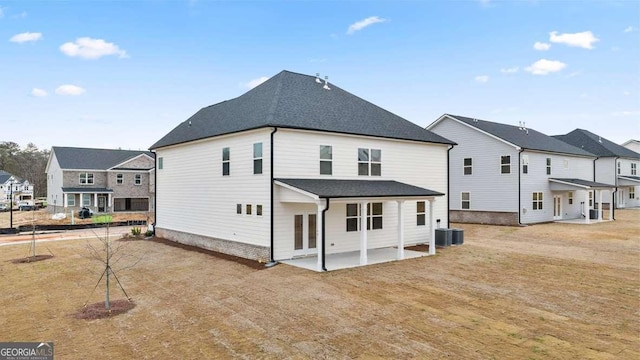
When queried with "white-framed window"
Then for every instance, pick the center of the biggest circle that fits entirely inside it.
(525, 164)
(634, 169)
(119, 179)
(565, 163)
(86, 199)
(465, 200)
(249, 210)
(570, 197)
(548, 166)
(374, 216)
(259, 210)
(257, 158)
(467, 166)
(71, 200)
(505, 164)
(326, 160)
(138, 179)
(537, 200)
(369, 162)
(239, 209)
(632, 193)
(421, 214)
(619, 166)
(226, 161)
(590, 198)
(86, 178)
(160, 163)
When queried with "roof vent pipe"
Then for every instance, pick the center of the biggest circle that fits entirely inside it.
(326, 83)
(318, 78)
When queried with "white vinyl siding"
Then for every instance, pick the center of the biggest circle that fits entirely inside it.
(194, 182)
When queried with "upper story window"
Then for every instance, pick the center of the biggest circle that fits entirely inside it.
(326, 160)
(226, 161)
(120, 179)
(505, 164)
(420, 213)
(138, 179)
(634, 169)
(468, 166)
(525, 164)
(548, 166)
(86, 179)
(160, 163)
(257, 158)
(619, 167)
(369, 162)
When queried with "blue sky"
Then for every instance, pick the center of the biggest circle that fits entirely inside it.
(121, 74)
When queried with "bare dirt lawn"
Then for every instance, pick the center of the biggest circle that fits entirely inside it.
(43, 217)
(551, 291)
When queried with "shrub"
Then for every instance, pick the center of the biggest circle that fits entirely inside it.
(148, 233)
(135, 231)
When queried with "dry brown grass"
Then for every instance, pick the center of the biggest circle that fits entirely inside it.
(42, 217)
(548, 291)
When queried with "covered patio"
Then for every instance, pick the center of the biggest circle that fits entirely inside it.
(359, 194)
(586, 187)
(98, 199)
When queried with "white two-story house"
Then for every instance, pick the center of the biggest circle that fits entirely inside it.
(14, 189)
(615, 164)
(103, 180)
(299, 167)
(512, 175)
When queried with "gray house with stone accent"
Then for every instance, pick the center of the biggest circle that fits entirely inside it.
(511, 175)
(103, 180)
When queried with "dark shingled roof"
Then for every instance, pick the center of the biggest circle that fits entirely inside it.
(94, 159)
(583, 183)
(531, 139)
(629, 177)
(595, 144)
(331, 188)
(4, 176)
(291, 100)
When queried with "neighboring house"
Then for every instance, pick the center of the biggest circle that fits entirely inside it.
(103, 180)
(11, 185)
(292, 168)
(510, 175)
(632, 144)
(616, 165)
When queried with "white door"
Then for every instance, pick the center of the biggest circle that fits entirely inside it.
(304, 234)
(621, 198)
(557, 207)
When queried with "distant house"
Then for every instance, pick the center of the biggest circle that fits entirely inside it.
(13, 186)
(632, 144)
(103, 180)
(299, 167)
(510, 175)
(615, 164)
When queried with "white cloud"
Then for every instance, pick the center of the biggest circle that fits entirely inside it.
(88, 48)
(1, 12)
(482, 78)
(38, 92)
(583, 39)
(255, 82)
(629, 29)
(22, 15)
(511, 70)
(485, 3)
(544, 67)
(626, 113)
(70, 90)
(541, 46)
(26, 37)
(359, 25)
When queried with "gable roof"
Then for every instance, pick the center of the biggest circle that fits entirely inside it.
(4, 176)
(94, 159)
(596, 144)
(529, 139)
(296, 101)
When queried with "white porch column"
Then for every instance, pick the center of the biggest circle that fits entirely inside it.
(95, 199)
(319, 234)
(586, 207)
(611, 204)
(432, 228)
(600, 208)
(64, 200)
(400, 230)
(109, 199)
(363, 233)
